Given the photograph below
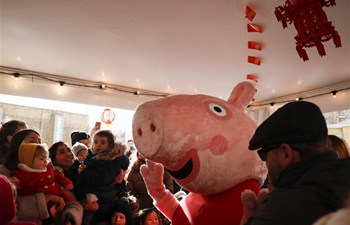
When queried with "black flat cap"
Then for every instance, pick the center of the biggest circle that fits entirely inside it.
(78, 135)
(295, 122)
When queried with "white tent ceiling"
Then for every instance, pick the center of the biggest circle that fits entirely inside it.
(175, 47)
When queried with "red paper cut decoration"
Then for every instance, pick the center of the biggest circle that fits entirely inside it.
(254, 60)
(249, 13)
(253, 28)
(107, 116)
(254, 45)
(253, 78)
(311, 23)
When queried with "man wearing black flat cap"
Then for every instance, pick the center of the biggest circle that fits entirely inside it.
(309, 178)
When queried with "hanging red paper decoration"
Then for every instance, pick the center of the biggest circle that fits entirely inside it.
(311, 23)
(107, 116)
(252, 77)
(254, 60)
(253, 28)
(254, 45)
(249, 13)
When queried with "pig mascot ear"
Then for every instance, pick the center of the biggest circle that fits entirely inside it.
(242, 94)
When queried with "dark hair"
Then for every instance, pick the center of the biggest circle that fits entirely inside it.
(53, 151)
(11, 158)
(110, 137)
(9, 128)
(142, 215)
(339, 145)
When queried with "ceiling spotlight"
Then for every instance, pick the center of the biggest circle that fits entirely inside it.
(334, 94)
(16, 75)
(102, 86)
(299, 99)
(137, 92)
(61, 83)
(272, 104)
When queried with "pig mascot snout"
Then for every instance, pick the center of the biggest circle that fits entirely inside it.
(202, 141)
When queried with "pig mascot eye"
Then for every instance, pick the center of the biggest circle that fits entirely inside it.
(217, 109)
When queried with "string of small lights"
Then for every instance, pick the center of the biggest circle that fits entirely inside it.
(330, 90)
(61, 80)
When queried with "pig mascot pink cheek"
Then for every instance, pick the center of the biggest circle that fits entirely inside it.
(202, 141)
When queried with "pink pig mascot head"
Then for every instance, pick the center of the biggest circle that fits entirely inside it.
(202, 141)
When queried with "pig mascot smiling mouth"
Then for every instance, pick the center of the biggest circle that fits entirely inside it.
(202, 141)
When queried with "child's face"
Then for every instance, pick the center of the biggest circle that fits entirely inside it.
(40, 159)
(152, 219)
(118, 219)
(82, 154)
(100, 143)
(120, 177)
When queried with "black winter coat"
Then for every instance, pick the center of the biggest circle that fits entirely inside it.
(306, 191)
(99, 175)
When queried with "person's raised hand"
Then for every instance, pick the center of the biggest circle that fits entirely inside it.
(152, 173)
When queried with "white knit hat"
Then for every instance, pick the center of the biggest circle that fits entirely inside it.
(77, 147)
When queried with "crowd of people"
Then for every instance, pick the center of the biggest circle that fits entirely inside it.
(97, 180)
(82, 183)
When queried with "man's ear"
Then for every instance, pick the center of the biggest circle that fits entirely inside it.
(287, 155)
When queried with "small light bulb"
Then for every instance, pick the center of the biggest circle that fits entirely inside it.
(334, 94)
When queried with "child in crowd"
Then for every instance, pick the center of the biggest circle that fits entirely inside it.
(121, 214)
(98, 174)
(81, 151)
(83, 138)
(147, 216)
(33, 174)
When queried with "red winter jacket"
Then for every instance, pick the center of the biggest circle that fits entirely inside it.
(8, 206)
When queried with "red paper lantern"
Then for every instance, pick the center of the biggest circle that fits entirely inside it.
(311, 23)
(107, 116)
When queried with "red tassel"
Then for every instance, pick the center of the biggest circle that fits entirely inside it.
(336, 39)
(332, 2)
(302, 53)
(320, 47)
(280, 17)
(284, 24)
